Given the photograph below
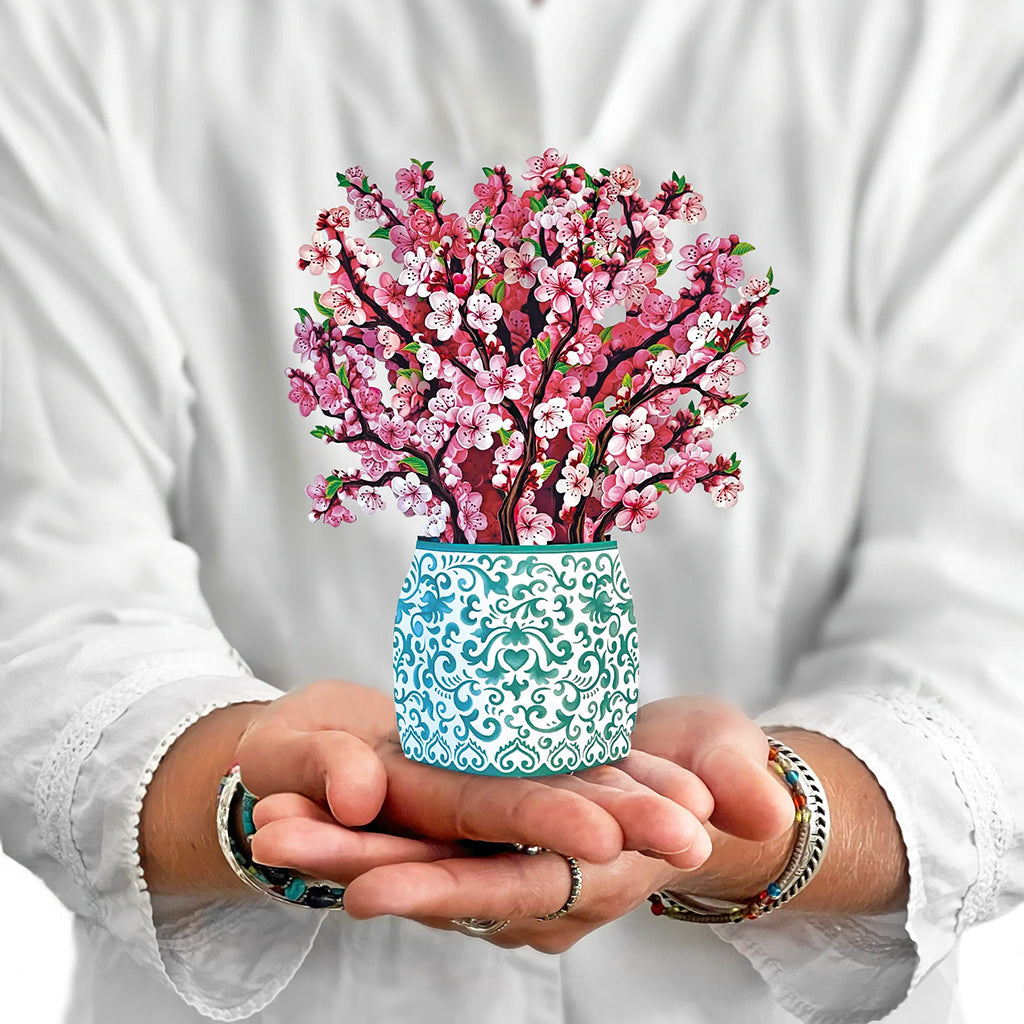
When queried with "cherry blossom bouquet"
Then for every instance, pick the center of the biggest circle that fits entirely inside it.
(521, 377)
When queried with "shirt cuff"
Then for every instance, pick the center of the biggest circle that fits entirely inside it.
(226, 959)
(828, 969)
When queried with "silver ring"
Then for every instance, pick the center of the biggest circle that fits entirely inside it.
(479, 926)
(575, 888)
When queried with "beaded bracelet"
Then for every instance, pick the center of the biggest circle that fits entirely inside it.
(235, 802)
(812, 819)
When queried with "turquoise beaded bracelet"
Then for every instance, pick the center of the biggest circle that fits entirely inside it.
(812, 820)
(235, 802)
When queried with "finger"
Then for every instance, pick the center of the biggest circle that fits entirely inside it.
(670, 780)
(288, 805)
(648, 820)
(328, 850)
(749, 801)
(509, 886)
(729, 752)
(450, 805)
(330, 767)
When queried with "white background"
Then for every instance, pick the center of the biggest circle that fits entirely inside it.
(35, 958)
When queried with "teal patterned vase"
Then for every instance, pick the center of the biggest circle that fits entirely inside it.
(515, 660)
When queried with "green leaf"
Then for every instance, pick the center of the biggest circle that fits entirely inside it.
(326, 325)
(740, 248)
(505, 436)
(604, 171)
(487, 170)
(659, 348)
(381, 233)
(416, 464)
(429, 191)
(739, 400)
(606, 333)
(499, 291)
(773, 291)
(538, 203)
(322, 431)
(627, 381)
(342, 372)
(412, 347)
(661, 487)
(366, 183)
(662, 267)
(333, 485)
(344, 181)
(303, 314)
(319, 305)
(543, 347)
(771, 276)
(562, 367)
(588, 452)
(641, 253)
(549, 465)
(426, 166)
(423, 204)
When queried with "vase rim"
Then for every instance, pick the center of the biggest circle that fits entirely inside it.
(425, 544)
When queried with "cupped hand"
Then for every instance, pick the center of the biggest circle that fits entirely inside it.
(707, 737)
(335, 744)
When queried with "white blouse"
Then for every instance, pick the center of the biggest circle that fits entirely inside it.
(160, 163)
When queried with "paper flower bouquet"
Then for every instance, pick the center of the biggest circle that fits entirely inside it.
(524, 384)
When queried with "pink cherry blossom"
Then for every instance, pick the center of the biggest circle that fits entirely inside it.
(693, 207)
(533, 527)
(541, 169)
(626, 180)
(348, 309)
(705, 330)
(408, 181)
(474, 430)
(551, 417)
(575, 483)
(523, 265)
(446, 317)
(729, 269)
(724, 490)
(720, 371)
(338, 513)
(322, 254)
(629, 435)
(393, 430)
(471, 519)
(411, 495)
(640, 508)
(302, 392)
(500, 382)
(596, 294)
(482, 314)
(332, 393)
(755, 288)
(317, 492)
(369, 500)
(560, 285)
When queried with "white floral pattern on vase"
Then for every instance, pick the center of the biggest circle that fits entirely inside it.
(515, 660)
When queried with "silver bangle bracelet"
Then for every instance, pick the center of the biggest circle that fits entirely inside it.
(810, 844)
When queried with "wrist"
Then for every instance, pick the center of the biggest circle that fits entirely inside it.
(178, 845)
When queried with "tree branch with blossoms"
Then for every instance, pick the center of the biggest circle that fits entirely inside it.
(515, 380)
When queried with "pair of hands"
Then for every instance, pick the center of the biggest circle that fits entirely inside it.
(341, 801)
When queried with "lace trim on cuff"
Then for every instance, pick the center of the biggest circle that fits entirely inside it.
(982, 790)
(55, 786)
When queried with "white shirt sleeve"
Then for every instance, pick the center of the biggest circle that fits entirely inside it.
(107, 648)
(919, 665)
